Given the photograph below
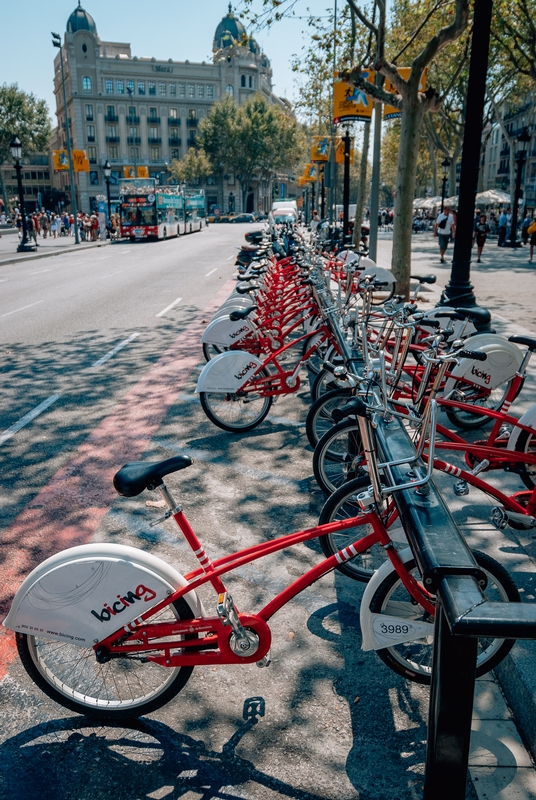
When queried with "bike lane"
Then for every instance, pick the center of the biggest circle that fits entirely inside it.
(68, 509)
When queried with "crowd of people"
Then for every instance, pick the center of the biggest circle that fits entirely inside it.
(43, 224)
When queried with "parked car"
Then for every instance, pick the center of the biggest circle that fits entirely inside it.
(242, 218)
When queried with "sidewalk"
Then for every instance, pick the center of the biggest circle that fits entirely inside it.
(46, 247)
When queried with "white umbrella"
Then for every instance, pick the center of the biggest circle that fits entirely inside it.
(492, 196)
(418, 202)
(431, 202)
(451, 202)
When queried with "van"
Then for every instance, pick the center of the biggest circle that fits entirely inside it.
(279, 204)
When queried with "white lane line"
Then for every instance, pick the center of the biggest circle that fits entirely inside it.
(230, 257)
(20, 309)
(211, 272)
(116, 349)
(9, 432)
(38, 271)
(168, 308)
(112, 273)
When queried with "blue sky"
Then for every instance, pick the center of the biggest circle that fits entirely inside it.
(178, 29)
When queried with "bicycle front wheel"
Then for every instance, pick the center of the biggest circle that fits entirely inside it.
(319, 419)
(476, 395)
(119, 689)
(413, 660)
(338, 456)
(237, 413)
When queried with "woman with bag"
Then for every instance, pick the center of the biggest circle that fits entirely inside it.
(532, 241)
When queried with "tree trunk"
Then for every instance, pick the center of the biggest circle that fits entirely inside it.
(362, 188)
(410, 132)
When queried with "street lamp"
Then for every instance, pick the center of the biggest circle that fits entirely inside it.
(16, 151)
(521, 154)
(56, 42)
(107, 169)
(445, 167)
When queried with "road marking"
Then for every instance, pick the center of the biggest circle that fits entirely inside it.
(112, 273)
(116, 349)
(11, 431)
(20, 309)
(230, 257)
(211, 271)
(171, 305)
(38, 271)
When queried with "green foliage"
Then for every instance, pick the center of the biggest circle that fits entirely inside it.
(195, 166)
(25, 116)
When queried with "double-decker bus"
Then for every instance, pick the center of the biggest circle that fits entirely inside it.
(194, 211)
(148, 211)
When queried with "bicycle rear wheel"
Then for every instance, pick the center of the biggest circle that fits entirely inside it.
(338, 456)
(237, 413)
(119, 689)
(413, 659)
(478, 396)
(319, 419)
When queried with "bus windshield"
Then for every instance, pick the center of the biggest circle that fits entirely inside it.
(138, 214)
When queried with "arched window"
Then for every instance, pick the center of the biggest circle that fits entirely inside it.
(87, 85)
(251, 82)
(243, 81)
(230, 89)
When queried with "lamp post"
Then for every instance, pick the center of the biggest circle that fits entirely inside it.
(521, 154)
(107, 169)
(16, 151)
(56, 42)
(132, 128)
(445, 166)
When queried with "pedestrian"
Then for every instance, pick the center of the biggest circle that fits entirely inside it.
(532, 240)
(315, 221)
(525, 228)
(445, 225)
(53, 225)
(480, 234)
(94, 227)
(32, 230)
(503, 220)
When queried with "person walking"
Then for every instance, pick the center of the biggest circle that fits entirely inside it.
(480, 235)
(44, 224)
(503, 221)
(445, 225)
(532, 241)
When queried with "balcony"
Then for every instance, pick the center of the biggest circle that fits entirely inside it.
(504, 152)
(153, 120)
(91, 138)
(192, 143)
(111, 118)
(112, 139)
(175, 141)
(192, 123)
(155, 140)
(133, 139)
(174, 121)
(132, 120)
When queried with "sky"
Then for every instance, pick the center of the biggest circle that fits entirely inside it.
(177, 29)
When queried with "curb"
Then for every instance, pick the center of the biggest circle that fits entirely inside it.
(36, 256)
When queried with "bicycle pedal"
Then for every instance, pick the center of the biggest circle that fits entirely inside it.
(461, 488)
(265, 661)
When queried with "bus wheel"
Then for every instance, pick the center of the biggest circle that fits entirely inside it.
(165, 234)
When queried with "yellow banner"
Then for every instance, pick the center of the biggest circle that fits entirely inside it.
(143, 172)
(391, 112)
(351, 103)
(339, 150)
(310, 172)
(128, 172)
(320, 149)
(60, 159)
(80, 161)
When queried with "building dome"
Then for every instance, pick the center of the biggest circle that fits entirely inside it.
(229, 31)
(80, 20)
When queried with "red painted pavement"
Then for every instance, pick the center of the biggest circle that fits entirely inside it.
(68, 510)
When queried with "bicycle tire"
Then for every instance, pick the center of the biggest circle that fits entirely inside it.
(413, 660)
(325, 382)
(343, 505)
(466, 420)
(526, 443)
(233, 412)
(319, 419)
(379, 297)
(337, 458)
(72, 677)
(212, 350)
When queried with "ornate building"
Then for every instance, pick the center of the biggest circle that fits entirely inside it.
(135, 111)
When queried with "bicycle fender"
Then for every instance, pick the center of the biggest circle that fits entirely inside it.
(528, 419)
(503, 361)
(371, 269)
(224, 331)
(227, 372)
(455, 324)
(85, 593)
(381, 630)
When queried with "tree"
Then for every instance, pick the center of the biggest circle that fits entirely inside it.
(514, 29)
(217, 136)
(194, 167)
(22, 115)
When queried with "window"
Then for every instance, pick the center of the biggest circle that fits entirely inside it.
(130, 86)
(34, 175)
(110, 111)
(155, 154)
(153, 133)
(200, 91)
(152, 87)
(141, 87)
(182, 90)
(192, 113)
(175, 152)
(131, 112)
(47, 174)
(153, 114)
(173, 113)
(120, 87)
(90, 133)
(191, 90)
(230, 90)
(87, 85)
(134, 153)
(251, 82)
(92, 155)
(109, 86)
(243, 81)
(133, 131)
(162, 89)
(39, 176)
(173, 90)
(89, 113)
(210, 91)
(112, 130)
(113, 151)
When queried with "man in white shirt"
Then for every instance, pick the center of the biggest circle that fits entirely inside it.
(444, 225)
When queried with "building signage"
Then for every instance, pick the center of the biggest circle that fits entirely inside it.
(351, 103)
(61, 160)
(161, 68)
